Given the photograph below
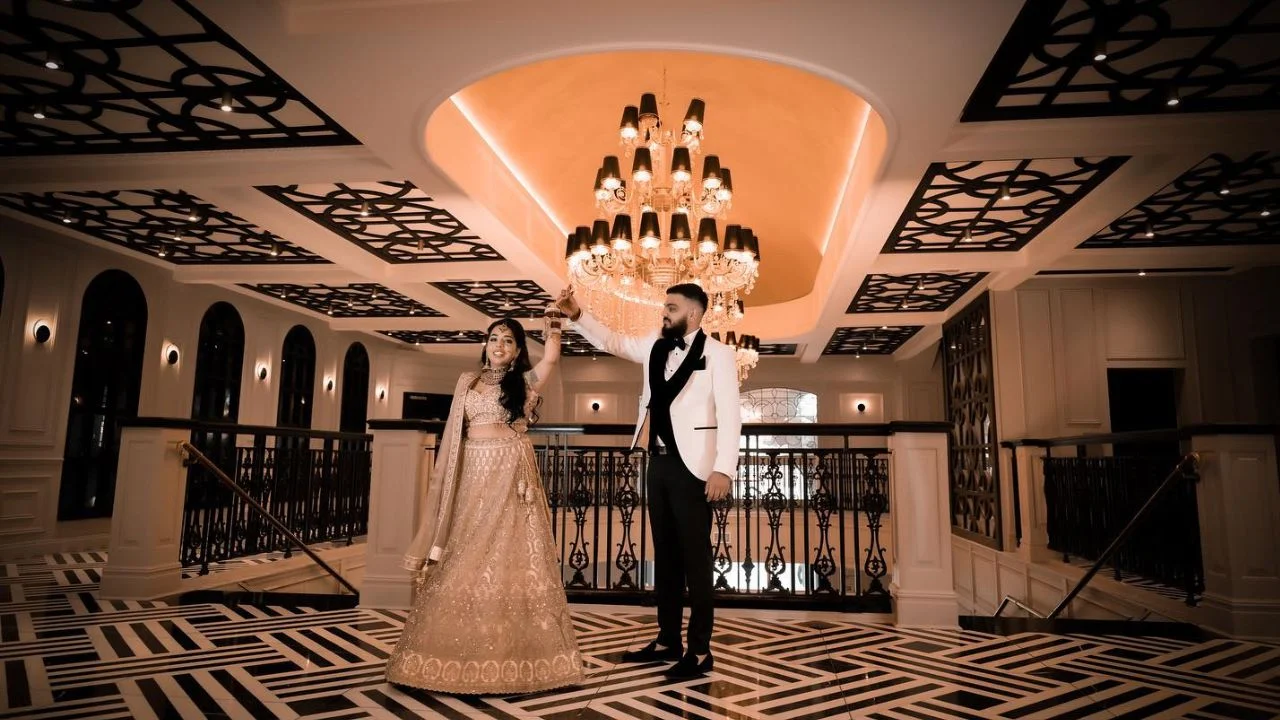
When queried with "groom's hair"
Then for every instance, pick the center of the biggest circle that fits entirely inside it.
(691, 291)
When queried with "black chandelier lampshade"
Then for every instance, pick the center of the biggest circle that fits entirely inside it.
(680, 229)
(622, 227)
(681, 165)
(649, 229)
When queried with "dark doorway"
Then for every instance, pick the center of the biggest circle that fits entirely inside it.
(219, 364)
(297, 379)
(110, 347)
(355, 390)
(1265, 356)
(1144, 399)
(216, 396)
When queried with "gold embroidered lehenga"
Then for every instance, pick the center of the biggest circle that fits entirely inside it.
(489, 615)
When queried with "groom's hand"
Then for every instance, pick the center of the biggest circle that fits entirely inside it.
(717, 486)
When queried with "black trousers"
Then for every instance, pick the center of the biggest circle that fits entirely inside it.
(680, 518)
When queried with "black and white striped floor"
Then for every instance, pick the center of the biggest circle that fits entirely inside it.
(66, 654)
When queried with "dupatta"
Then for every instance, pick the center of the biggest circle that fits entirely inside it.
(437, 512)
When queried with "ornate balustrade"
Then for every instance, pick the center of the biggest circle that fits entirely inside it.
(316, 482)
(1094, 484)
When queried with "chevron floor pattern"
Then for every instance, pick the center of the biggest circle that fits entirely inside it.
(66, 654)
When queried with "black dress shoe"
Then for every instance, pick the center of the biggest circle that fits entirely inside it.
(689, 667)
(651, 653)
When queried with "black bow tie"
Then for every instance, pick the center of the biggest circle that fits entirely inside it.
(679, 343)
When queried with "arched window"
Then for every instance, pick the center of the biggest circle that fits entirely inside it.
(219, 363)
(104, 391)
(355, 390)
(216, 396)
(780, 405)
(297, 379)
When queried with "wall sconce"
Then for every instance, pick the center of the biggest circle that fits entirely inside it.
(41, 332)
(862, 407)
(171, 354)
(328, 384)
(262, 373)
(382, 394)
(595, 406)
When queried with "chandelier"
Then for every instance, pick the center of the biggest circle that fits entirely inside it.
(746, 352)
(622, 270)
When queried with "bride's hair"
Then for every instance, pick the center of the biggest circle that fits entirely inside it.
(514, 391)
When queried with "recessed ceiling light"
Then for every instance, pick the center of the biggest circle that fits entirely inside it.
(1142, 273)
(1265, 213)
(51, 61)
(38, 113)
(1224, 190)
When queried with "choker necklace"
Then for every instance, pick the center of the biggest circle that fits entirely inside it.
(493, 376)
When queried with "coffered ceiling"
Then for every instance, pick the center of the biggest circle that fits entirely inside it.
(408, 169)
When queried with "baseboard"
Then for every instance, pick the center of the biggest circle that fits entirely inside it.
(11, 552)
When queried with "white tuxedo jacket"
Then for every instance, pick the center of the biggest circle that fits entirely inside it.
(706, 417)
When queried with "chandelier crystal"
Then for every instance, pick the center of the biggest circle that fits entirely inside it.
(623, 264)
(746, 352)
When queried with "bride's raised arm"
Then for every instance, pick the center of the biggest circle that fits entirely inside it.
(550, 353)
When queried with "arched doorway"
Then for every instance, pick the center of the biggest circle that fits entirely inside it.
(297, 379)
(219, 363)
(216, 395)
(110, 347)
(355, 389)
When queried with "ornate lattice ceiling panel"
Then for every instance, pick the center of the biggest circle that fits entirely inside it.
(993, 205)
(571, 344)
(500, 298)
(918, 292)
(1221, 201)
(171, 224)
(777, 349)
(1079, 58)
(394, 220)
(141, 76)
(869, 341)
(360, 300)
(436, 337)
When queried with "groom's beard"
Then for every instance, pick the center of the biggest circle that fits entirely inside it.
(677, 329)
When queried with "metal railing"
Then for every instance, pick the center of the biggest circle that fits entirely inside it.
(1183, 473)
(315, 483)
(192, 457)
(804, 523)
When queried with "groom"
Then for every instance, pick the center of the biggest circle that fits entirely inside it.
(690, 407)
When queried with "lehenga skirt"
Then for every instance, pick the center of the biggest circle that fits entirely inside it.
(491, 616)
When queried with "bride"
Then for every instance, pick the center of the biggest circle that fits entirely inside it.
(489, 615)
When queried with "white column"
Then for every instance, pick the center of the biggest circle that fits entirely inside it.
(146, 527)
(922, 585)
(1238, 498)
(402, 461)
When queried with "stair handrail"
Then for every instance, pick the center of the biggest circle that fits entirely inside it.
(1192, 458)
(191, 455)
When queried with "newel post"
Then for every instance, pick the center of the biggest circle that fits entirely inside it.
(922, 585)
(1238, 503)
(143, 557)
(403, 453)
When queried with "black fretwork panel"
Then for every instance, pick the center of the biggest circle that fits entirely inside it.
(571, 344)
(969, 388)
(394, 220)
(500, 298)
(869, 340)
(993, 205)
(917, 292)
(1222, 201)
(90, 76)
(169, 224)
(359, 300)
(1083, 58)
(436, 337)
(777, 349)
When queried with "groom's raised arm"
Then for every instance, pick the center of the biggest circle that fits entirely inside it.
(724, 385)
(635, 349)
